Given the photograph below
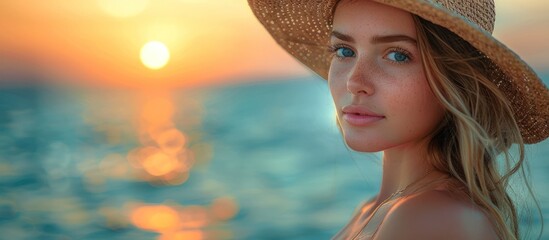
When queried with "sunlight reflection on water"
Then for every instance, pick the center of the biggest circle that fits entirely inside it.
(260, 161)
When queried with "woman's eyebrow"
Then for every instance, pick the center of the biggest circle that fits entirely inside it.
(342, 36)
(378, 38)
(393, 38)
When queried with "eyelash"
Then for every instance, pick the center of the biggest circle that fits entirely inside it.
(333, 50)
(401, 51)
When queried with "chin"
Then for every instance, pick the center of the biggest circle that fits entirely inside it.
(364, 146)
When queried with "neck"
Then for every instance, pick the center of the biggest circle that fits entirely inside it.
(401, 167)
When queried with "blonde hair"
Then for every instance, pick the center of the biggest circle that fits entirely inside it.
(478, 127)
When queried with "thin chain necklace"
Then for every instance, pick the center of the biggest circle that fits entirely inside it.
(394, 194)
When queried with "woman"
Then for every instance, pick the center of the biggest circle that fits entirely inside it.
(427, 84)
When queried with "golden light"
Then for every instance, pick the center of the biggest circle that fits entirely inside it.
(175, 178)
(156, 218)
(123, 8)
(155, 55)
(171, 141)
(160, 164)
(183, 235)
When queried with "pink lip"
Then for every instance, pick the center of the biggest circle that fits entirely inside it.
(360, 116)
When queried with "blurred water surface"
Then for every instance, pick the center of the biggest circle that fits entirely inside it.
(249, 161)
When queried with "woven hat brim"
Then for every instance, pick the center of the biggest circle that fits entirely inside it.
(303, 29)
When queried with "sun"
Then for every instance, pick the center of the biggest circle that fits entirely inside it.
(155, 55)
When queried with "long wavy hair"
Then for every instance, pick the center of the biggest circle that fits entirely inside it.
(479, 125)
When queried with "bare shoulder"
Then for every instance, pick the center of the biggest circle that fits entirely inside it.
(435, 215)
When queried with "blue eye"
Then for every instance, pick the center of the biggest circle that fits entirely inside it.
(398, 56)
(344, 52)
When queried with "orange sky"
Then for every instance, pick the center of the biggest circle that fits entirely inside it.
(209, 41)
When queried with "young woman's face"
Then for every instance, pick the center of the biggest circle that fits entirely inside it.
(377, 80)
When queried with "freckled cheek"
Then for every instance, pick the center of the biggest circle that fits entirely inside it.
(412, 102)
(420, 108)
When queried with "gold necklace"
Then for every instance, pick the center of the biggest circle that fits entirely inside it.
(394, 194)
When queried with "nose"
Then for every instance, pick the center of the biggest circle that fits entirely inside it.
(359, 79)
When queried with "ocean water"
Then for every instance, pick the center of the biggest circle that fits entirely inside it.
(250, 161)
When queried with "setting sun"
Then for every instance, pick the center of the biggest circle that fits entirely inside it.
(155, 55)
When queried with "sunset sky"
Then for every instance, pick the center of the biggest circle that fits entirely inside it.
(98, 42)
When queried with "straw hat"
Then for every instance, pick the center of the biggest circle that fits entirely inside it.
(303, 28)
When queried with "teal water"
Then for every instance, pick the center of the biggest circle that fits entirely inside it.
(271, 150)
